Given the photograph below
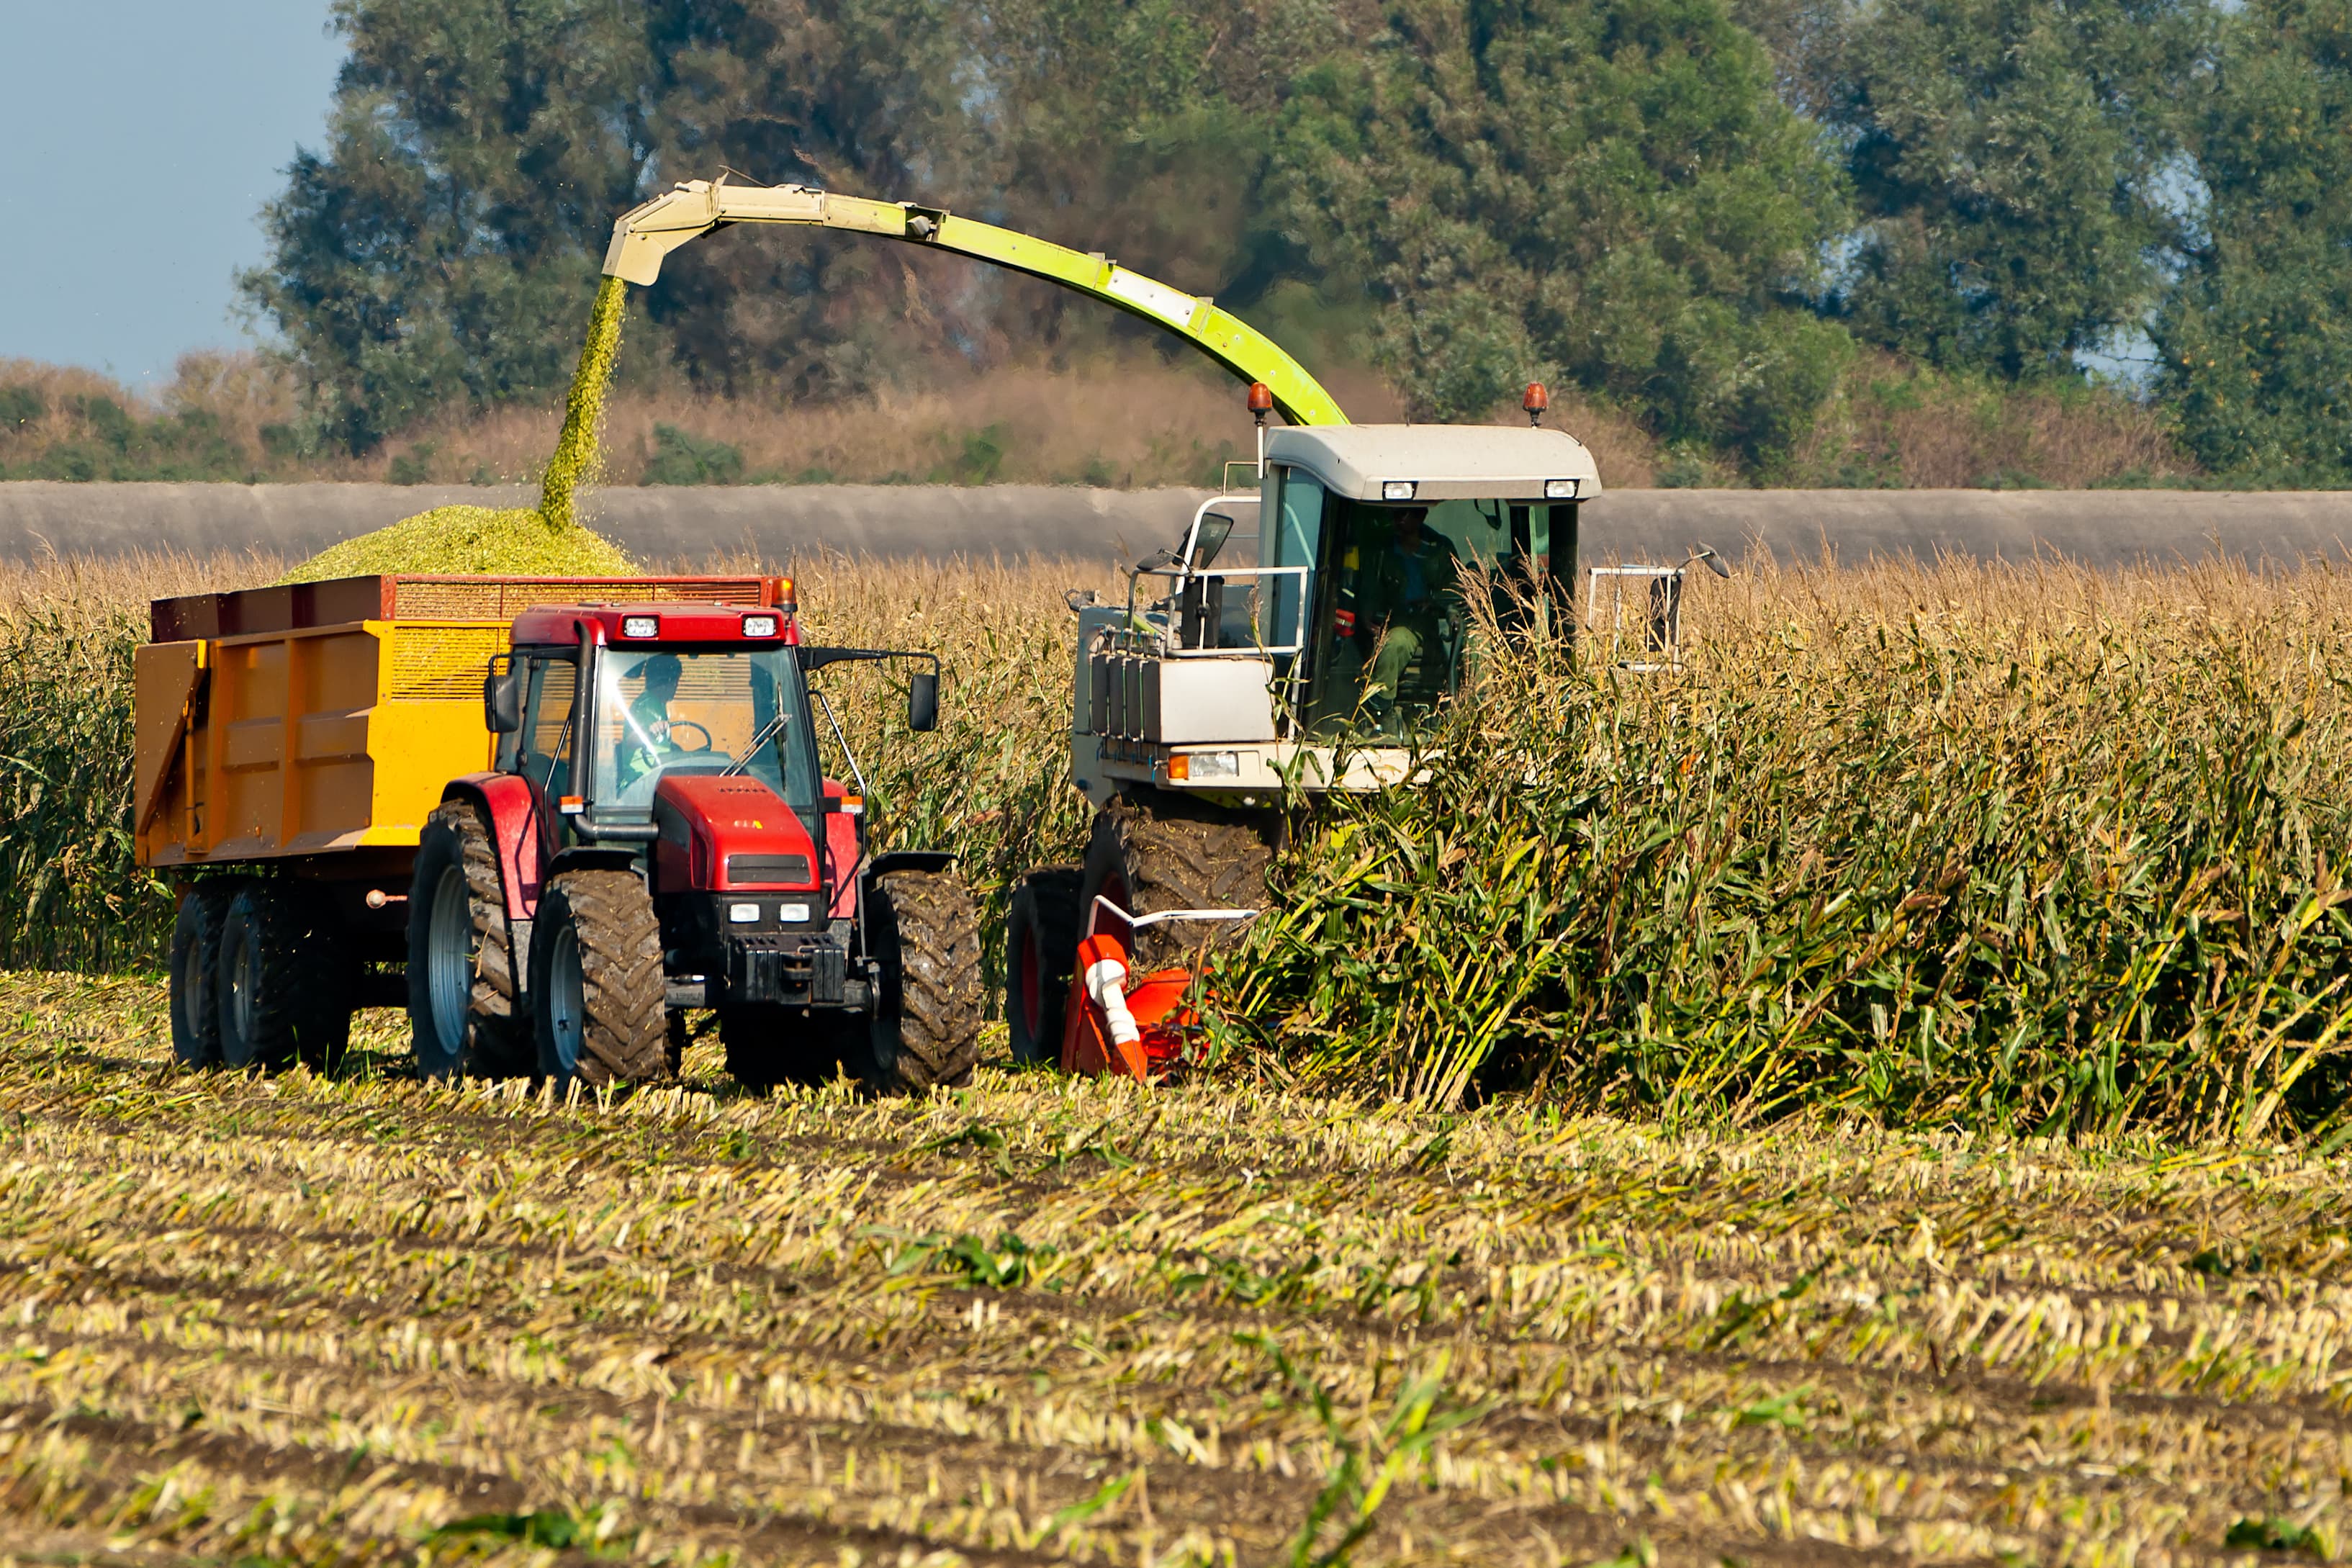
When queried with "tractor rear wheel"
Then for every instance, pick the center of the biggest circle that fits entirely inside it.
(599, 996)
(461, 968)
(1148, 856)
(926, 1026)
(1041, 948)
(196, 947)
(284, 986)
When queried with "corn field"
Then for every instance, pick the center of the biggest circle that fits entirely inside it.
(366, 1319)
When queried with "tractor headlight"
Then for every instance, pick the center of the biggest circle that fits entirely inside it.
(1396, 490)
(743, 914)
(793, 914)
(759, 625)
(1559, 489)
(641, 625)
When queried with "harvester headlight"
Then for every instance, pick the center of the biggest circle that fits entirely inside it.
(1212, 765)
(759, 625)
(793, 914)
(743, 914)
(1559, 489)
(641, 625)
(1396, 490)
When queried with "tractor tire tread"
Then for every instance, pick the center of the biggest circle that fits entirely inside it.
(931, 931)
(498, 1045)
(1179, 857)
(624, 1032)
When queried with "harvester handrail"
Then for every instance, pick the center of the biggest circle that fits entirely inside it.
(645, 234)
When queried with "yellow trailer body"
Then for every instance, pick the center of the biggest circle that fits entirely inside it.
(309, 740)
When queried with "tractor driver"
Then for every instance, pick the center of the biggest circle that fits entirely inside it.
(647, 740)
(1406, 588)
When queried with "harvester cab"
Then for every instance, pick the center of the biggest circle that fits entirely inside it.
(667, 839)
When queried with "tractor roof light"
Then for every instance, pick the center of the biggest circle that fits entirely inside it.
(1536, 400)
(1396, 490)
(1261, 401)
(760, 626)
(787, 596)
(1559, 489)
(641, 625)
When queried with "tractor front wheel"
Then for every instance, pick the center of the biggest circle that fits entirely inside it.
(1041, 948)
(926, 1029)
(597, 990)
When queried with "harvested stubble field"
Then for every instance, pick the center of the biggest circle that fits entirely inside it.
(366, 1321)
(1876, 1093)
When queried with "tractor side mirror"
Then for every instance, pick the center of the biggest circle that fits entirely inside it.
(923, 701)
(502, 698)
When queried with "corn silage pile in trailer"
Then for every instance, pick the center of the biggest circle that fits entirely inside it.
(549, 541)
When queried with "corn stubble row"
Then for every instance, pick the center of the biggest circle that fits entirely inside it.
(1045, 1321)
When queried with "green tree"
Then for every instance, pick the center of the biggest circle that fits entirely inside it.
(444, 243)
(1605, 190)
(2010, 159)
(2255, 344)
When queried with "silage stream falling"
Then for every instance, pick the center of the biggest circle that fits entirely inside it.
(551, 541)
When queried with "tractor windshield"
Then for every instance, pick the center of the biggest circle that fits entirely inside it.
(1392, 621)
(673, 710)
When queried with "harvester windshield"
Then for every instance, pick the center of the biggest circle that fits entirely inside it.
(679, 711)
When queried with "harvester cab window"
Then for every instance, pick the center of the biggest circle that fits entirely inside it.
(669, 712)
(545, 757)
(1392, 620)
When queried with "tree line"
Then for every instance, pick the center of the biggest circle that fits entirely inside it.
(1700, 212)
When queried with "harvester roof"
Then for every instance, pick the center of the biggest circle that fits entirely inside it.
(1442, 462)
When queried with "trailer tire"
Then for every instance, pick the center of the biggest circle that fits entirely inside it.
(1175, 855)
(1041, 947)
(925, 1033)
(195, 948)
(282, 980)
(463, 1011)
(600, 1009)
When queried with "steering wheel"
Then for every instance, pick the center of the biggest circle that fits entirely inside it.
(677, 724)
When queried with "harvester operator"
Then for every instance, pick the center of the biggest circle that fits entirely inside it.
(1406, 592)
(649, 738)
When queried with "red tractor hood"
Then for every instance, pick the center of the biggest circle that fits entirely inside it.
(718, 835)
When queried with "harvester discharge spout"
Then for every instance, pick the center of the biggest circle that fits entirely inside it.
(646, 233)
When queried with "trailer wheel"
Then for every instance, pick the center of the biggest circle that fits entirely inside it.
(461, 967)
(599, 996)
(925, 1026)
(196, 947)
(1041, 946)
(281, 980)
(1146, 857)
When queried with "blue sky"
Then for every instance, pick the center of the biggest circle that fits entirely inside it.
(138, 141)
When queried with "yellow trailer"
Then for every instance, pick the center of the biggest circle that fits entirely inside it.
(291, 742)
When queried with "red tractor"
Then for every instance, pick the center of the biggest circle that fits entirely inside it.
(658, 835)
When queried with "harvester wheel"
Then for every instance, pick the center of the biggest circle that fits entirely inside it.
(196, 946)
(283, 980)
(1146, 856)
(1041, 945)
(596, 983)
(926, 1029)
(461, 967)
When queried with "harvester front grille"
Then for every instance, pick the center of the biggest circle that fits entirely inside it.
(441, 664)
